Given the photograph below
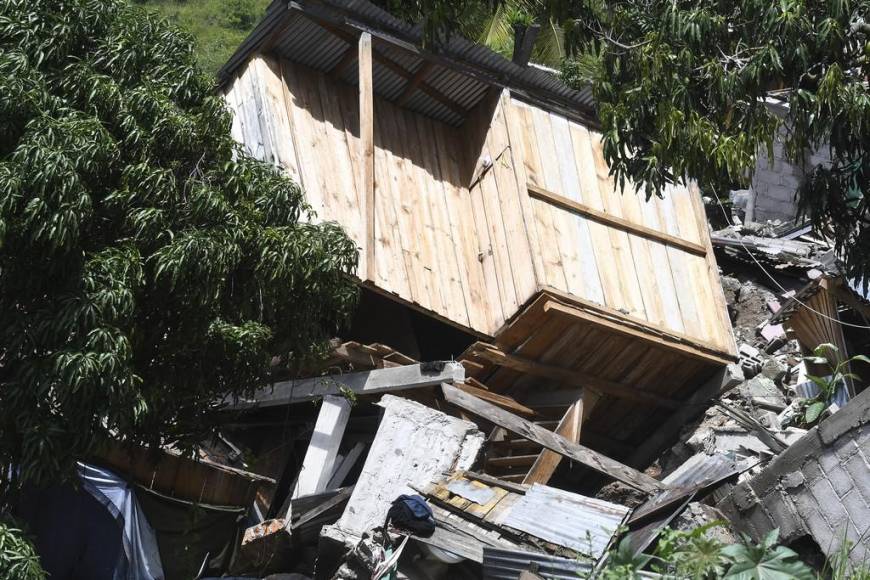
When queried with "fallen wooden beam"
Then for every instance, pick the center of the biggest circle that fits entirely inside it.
(320, 457)
(552, 441)
(573, 377)
(545, 465)
(362, 383)
(503, 401)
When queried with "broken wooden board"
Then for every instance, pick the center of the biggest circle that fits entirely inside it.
(552, 441)
(362, 383)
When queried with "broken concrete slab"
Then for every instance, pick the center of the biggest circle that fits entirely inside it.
(413, 446)
(763, 387)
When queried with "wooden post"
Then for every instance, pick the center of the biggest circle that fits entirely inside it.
(319, 462)
(367, 143)
(545, 465)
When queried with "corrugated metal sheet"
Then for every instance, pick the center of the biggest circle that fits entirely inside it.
(464, 70)
(501, 564)
(580, 523)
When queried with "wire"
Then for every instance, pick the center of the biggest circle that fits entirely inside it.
(763, 269)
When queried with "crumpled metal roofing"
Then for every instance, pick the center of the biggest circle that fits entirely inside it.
(583, 524)
(501, 564)
(463, 70)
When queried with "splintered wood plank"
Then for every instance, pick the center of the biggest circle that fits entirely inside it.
(619, 240)
(552, 441)
(547, 462)
(563, 222)
(510, 207)
(367, 150)
(460, 216)
(447, 240)
(553, 273)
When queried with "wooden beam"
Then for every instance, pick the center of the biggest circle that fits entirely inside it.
(552, 441)
(724, 380)
(414, 83)
(398, 69)
(319, 462)
(367, 144)
(570, 376)
(637, 329)
(362, 383)
(503, 401)
(615, 221)
(347, 463)
(547, 462)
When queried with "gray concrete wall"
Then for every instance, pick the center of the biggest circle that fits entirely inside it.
(819, 486)
(776, 181)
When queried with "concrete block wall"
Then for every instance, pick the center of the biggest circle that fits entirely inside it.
(776, 180)
(819, 486)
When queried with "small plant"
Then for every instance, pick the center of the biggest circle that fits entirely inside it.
(689, 554)
(828, 386)
(18, 558)
(764, 561)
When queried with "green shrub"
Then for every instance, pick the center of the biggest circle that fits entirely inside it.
(18, 558)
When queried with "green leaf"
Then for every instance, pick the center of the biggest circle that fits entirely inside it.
(813, 412)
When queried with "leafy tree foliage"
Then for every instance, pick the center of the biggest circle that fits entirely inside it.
(682, 89)
(18, 557)
(147, 266)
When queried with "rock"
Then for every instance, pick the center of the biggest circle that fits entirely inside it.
(763, 387)
(774, 370)
(698, 514)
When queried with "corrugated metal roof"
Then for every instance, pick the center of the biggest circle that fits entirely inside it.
(462, 71)
(501, 564)
(580, 523)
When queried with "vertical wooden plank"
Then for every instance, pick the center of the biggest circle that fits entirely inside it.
(285, 148)
(510, 207)
(448, 253)
(514, 129)
(552, 272)
(619, 240)
(608, 265)
(590, 277)
(367, 145)
(460, 213)
(680, 273)
(726, 334)
(563, 222)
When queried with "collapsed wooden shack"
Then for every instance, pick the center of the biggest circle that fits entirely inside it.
(478, 194)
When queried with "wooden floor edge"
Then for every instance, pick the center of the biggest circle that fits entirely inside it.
(635, 327)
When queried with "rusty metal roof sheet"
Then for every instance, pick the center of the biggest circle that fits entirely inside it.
(304, 31)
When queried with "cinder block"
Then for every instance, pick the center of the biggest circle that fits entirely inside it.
(844, 448)
(813, 521)
(781, 510)
(860, 472)
(812, 470)
(840, 480)
(829, 503)
(828, 460)
(744, 498)
(858, 510)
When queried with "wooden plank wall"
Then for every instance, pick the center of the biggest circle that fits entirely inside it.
(438, 246)
(660, 284)
(466, 241)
